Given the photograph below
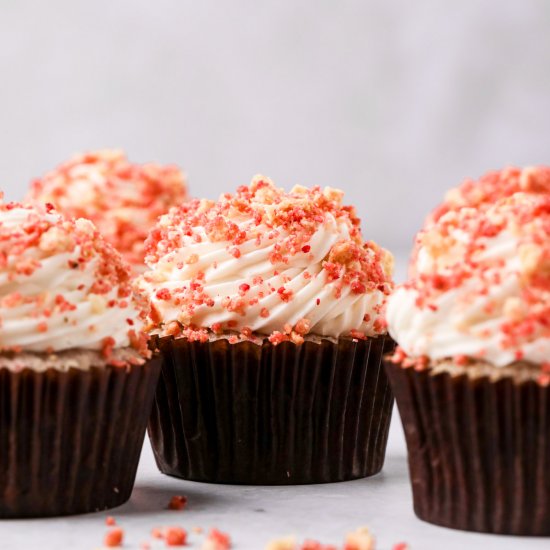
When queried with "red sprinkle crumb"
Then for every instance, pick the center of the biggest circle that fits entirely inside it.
(461, 360)
(177, 502)
(175, 536)
(110, 520)
(114, 538)
(285, 294)
(163, 294)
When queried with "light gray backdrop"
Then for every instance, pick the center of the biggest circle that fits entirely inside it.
(394, 101)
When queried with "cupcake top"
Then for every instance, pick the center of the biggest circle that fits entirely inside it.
(62, 286)
(123, 199)
(493, 186)
(480, 285)
(263, 261)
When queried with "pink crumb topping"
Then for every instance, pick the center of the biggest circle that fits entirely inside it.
(524, 215)
(493, 186)
(123, 199)
(43, 234)
(292, 219)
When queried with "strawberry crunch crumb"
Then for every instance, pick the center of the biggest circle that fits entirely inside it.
(279, 228)
(114, 538)
(216, 540)
(178, 502)
(361, 539)
(123, 199)
(172, 536)
(175, 536)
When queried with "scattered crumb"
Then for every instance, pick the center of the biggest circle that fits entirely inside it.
(177, 502)
(216, 540)
(113, 538)
(359, 540)
(175, 536)
(287, 543)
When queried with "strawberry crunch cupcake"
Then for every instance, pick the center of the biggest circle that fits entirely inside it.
(269, 310)
(123, 199)
(76, 379)
(471, 375)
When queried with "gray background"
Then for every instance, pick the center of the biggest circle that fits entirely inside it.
(392, 101)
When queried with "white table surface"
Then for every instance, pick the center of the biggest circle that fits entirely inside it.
(255, 515)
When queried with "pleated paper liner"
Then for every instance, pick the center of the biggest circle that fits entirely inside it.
(70, 441)
(479, 450)
(271, 415)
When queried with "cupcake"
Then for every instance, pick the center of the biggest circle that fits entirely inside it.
(76, 379)
(471, 374)
(268, 308)
(123, 199)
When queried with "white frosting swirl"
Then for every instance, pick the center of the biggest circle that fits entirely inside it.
(47, 297)
(470, 292)
(253, 291)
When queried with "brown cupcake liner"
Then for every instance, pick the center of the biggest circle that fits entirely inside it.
(271, 415)
(479, 450)
(70, 440)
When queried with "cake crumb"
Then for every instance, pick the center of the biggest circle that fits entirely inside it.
(361, 539)
(286, 543)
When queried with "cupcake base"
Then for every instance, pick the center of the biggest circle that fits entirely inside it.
(254, 414)
(71, 440)
(479, 450)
